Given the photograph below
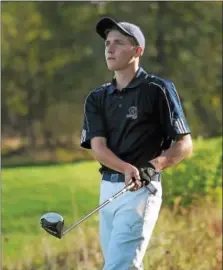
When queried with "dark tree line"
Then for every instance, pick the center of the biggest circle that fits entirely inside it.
(52, 58)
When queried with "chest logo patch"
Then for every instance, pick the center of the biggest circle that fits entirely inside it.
(133, 113)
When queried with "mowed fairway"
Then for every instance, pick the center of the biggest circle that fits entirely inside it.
(29, 192)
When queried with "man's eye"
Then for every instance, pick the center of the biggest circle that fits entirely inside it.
(118, 42)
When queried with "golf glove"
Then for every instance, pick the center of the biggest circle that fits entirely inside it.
(147, 173)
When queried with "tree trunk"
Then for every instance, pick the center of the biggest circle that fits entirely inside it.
(30, 120)
(160, 37)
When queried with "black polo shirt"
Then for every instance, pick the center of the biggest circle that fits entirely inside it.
(138, 122)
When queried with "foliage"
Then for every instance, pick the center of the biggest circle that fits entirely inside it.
(52, 61)
(197, 177)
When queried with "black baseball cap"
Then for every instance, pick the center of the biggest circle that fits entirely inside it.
(126, 28)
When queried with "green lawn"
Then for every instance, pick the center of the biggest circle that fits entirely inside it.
(29, 192)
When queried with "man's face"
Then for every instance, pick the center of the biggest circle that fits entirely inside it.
(119, 51)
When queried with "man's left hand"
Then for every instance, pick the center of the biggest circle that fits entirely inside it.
(147, 173)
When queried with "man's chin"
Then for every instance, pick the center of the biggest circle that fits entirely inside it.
(112, 67)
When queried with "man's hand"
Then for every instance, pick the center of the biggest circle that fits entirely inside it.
(132, 175)
(147, 173)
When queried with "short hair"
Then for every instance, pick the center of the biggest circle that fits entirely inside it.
(133, 41)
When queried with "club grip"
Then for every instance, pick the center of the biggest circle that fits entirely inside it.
(130, 185)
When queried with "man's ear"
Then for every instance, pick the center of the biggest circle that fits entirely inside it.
(139, 51)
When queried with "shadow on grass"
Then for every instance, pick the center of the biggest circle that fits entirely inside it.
(6, 165)
(43, 157)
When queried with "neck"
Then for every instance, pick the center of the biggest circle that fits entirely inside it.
(124, 77)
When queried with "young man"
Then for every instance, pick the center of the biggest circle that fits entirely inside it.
(129, 124)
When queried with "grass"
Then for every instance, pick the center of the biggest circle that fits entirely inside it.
(180, 242)
(183, 240)
(29, 192)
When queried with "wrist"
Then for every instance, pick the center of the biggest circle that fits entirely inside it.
(154, 164)
(125, 167)
(151, 165)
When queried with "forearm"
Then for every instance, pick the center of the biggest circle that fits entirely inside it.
(179, 151)
(106, 157)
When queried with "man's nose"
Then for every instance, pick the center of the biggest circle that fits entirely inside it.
(111, 48)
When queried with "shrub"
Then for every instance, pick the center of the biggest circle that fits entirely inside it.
(197, 177)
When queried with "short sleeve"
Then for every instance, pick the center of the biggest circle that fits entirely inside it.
(172, 117)
(93, 124)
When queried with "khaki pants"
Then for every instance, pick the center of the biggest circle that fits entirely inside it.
(126, 225)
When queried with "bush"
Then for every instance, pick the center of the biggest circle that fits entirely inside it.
(197, 177)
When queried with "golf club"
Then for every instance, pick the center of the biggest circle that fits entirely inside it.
(53, 223)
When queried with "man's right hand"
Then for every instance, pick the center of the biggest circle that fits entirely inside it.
(132, 175)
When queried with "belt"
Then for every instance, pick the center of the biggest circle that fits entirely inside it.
(118, 177)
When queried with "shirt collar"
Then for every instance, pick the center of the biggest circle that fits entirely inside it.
(138, 78)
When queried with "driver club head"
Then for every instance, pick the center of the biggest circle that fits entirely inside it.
(53, 223)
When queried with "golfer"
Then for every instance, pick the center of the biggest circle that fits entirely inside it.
(134, 121)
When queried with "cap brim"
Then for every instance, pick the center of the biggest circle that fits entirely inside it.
(107, 23)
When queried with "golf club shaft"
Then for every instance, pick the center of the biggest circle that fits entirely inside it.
(126, 188)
